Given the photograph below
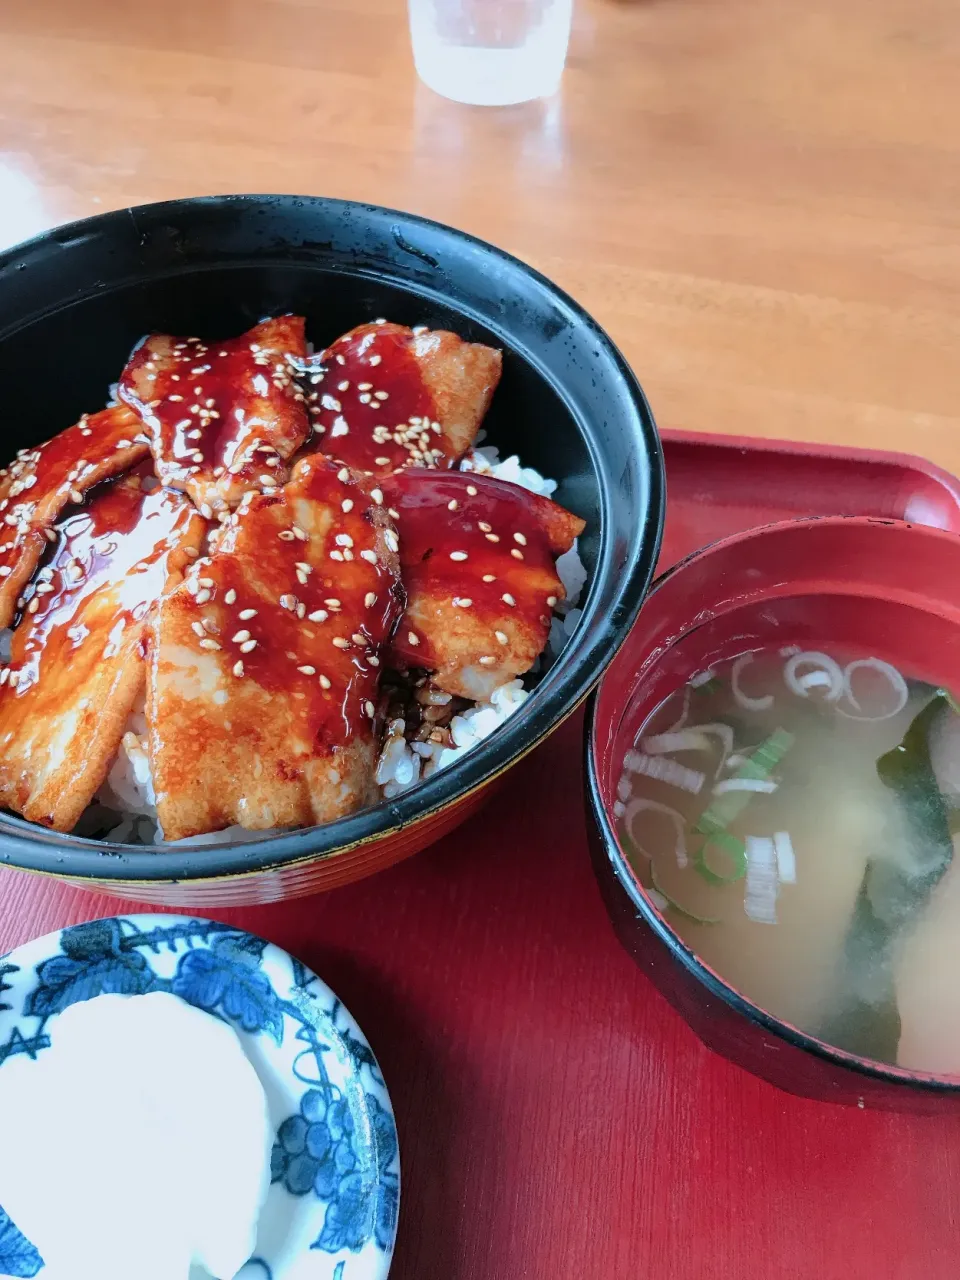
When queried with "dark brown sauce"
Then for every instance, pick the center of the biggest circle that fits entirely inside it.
(42, 480)
(321, 620)
(105, 571)
(221, 413)
(369, 405)
(465, 537)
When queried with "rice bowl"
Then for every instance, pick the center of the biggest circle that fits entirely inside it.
(560, 368)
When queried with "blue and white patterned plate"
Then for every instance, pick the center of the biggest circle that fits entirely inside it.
(332, 1209)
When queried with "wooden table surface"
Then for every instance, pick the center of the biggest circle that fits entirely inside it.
(761, 201)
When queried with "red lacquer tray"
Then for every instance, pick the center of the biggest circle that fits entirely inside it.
(557, 1119)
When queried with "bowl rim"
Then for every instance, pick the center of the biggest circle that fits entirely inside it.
(27, 846)
(678, 950)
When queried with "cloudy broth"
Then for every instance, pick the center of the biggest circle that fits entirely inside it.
(792, 815)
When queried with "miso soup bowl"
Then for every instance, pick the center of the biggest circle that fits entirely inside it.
(74, 301)
(886, 587)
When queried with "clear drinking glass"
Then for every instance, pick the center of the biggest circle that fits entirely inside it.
(490, 52)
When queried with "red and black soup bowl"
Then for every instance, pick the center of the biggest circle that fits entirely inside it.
(882, 587)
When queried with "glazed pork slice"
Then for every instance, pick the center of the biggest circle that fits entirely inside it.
(76, 665)
(43, 480)
(222, 417)
(388, 396)
(265, 661)
(478, 558)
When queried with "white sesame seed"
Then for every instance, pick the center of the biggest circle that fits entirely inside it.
(487, 662)
(453, 504)
(369, 708)
(267, 480)
(248, 646)
(484, 527)
(375, 360)
(458, 555)
(246, 614)
(299, 534)
(489, 577)
(382, 462)
(343, 540)
(472, 490)
(390, 538)
(332, 603)
(502, 637)
(198, 628)
(240, 636)
(364, 386)
(205, 582)
(413, 637)
(518, 537)
(377, 496)
(209, 644)
(76, 495)
(206, 510)
(230, 598)
(463, 602)
(365, 398)
(517, 555)
(370, 599)
(340, 643)
(381, 395)
(324, 682)
(301, 610)
(302, 578)
(304, 567)
(373, 660)
(238, 668)
(507, 598)
(202, 596)
(319, 615)
(343, 475)
(307, 670)
(346, 505)
(369, 556)
(551, 601)
(492, 537)
(359, 638)
(287, 535)
(343, 386)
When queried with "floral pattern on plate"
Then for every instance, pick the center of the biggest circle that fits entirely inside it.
(331, 1213)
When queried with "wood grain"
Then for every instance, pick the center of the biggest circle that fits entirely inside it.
(760, 200)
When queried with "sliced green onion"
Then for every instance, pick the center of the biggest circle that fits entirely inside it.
(735, 851)
(672, 902)
(758, 765)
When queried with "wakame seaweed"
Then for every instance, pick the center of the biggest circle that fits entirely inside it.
(892, 893)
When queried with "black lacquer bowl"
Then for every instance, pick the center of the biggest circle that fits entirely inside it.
(74, 301)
